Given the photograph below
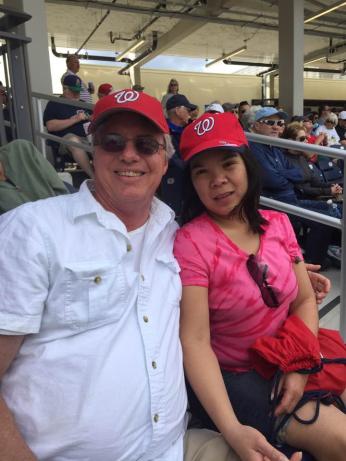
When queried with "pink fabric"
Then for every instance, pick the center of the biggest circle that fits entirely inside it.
(238, 315)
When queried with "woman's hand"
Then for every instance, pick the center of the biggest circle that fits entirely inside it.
(320, 284)
(292, 387)
(251, 445)
(336, 189)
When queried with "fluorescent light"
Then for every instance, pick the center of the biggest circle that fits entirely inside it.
(314, 60)
(130, 49)
(227, 56)
(325, 11)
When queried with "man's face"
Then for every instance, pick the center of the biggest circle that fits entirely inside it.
(342, 123)
(128, 178)
(73, 64)
(68, 94)
(183, 114)
(266, 127)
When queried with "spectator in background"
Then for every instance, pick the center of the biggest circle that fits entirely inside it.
(70, 123)
(332, 137)
(229, 107)
(215, 107)
(279, 179)
(171, 188)
(243, 107)
(104, 89)
(173, 88)
(312, 185)
(341, 127)
(194, 113)
(73, 66)
(26, 176)
(323, 114)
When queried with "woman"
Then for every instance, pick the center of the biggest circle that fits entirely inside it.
(312, 186)
(332, 137)
(224, 249)
(173, 88)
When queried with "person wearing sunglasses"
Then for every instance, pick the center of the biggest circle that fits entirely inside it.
(313, 185)
(91, 363)
(172, 89)
(243, 274)
(279, 178)
(332, 137)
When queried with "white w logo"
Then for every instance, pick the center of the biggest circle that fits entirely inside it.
(204, 125)
(126, 96)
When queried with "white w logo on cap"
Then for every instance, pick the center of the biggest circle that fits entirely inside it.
(204, 125)
(126, 96)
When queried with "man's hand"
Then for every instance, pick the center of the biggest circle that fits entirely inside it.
(251, 445)
(292, 388)
(320, 284)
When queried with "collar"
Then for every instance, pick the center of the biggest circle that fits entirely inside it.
(85, 204)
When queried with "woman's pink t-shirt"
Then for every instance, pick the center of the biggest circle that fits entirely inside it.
(238, 315)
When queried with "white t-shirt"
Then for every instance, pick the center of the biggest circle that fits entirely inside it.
(332, 136)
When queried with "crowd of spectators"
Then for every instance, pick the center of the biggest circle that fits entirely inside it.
(290, 175)
(110, 227)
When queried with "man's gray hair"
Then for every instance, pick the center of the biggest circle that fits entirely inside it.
(169, 146)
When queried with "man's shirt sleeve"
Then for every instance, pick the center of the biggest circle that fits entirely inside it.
(24, 272)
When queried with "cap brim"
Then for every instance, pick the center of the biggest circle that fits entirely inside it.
(114, 110)
(191, 106)
(208, 145)
(76, 89)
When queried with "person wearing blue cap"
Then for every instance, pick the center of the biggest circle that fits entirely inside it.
(279, 178)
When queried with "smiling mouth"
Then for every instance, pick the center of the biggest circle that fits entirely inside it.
(129, 174)
(222, 196)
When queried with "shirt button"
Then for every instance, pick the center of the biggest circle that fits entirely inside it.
(156, 418)
(97, 279)
(145, 319)
(154, 364)
(128, 247)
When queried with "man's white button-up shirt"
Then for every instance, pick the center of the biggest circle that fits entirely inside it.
(99, 376)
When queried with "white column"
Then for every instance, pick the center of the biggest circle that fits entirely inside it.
(291, 56)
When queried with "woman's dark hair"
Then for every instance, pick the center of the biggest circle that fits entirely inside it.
(247, 208)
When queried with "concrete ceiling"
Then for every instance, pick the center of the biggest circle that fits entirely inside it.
(191, 28)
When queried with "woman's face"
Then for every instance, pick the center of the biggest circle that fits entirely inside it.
(220, 179)
(174, 87)
(308, 125)
(301, 136)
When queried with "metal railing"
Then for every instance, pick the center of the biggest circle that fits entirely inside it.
(314, 216)
(41, 136)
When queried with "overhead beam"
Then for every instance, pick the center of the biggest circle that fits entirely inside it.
(98, 4)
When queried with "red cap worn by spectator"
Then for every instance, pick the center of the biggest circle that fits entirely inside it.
(212, 131)
(132, 101)
(105, 89)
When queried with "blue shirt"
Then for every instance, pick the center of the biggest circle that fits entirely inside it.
(278, 175)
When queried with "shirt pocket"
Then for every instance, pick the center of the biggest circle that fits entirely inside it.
(169, 267)
(94, 294)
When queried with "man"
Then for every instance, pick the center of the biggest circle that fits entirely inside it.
(178, 109)
(70, 123)
(341, 127)
(279, 178)
(91, 362)
(73, 66)
(104, 89)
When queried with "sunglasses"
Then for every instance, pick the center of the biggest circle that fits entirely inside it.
(259, 274)
(112, 142)
(302, 139)
(273, 122)
(331, 121)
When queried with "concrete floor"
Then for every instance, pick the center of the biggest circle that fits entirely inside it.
(331, 318)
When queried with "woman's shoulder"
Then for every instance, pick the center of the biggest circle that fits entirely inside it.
(195, 226)
(275, 218)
